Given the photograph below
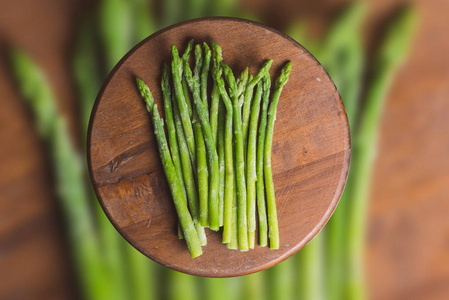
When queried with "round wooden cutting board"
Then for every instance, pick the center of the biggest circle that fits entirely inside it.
(310, 157)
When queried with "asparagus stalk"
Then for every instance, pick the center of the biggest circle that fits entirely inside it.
(202, 171)
(188, 174)
(248, 97)
(182, 103)
(228, 198)
(217, 125)
(251, 175)
(87, 77)
(242, 83)
(233, 243)
(390, 57)
(212, 156)
(187, 225)
(261, 207)
(221, 162)
(215, 96)
(201, 156)
(273, 231)
(204, 77)
(189, 194)
(229, 161)
(68, 170)
(239, 161)
(174, 150)
(185, 88)
(342, 56)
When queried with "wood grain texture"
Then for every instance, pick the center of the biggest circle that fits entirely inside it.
(311, 148)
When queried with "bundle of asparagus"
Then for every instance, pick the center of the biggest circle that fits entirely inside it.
(210, 180)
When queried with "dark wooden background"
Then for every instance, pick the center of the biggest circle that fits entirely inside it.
(408, 238)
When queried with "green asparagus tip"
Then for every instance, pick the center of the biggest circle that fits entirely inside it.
(206, 47)
(165, 79)
(217, 52)
(230, 76)
(165, 72)
(285, 72)
(265, 69)
(266, 66)
(243, 78)
(174, 52)
(189, 46)
(145, 93)
(242, 81)
(198, 58)
(217, 59)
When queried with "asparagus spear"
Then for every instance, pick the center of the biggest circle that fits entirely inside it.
(248, 97)
(182, 102)
(217, 125)
(69, 178)
(273, 232)
(242, 83)
(190, 191)
(239, 161)
(212, 156)
(185, 88)
(251, 176)
(188, 227)
(174, 150)
(228, 198)
(215, 96)
(204, 77)
(229, 160)
(342, 56)
(188, 174)
(87, 77)
(221, 161)
(202, 171)
(233, 239)
(261, 207)
(390, 57)
(201, 157)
